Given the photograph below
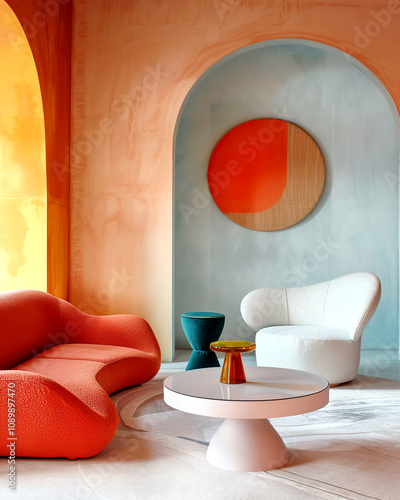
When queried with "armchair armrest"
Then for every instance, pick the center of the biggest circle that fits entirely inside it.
(265, 307)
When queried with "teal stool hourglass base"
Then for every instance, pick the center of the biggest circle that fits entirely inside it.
(202, 328)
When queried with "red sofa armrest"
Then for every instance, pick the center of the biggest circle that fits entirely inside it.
(43, 419)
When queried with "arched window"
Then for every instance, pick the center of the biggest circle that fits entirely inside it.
(23, 193)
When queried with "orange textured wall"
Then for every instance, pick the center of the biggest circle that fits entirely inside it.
(47, 25)
(134, 62)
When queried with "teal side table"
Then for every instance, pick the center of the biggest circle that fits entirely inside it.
(202, 328)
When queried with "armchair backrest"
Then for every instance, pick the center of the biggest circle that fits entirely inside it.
(346, 303)
(351, 302)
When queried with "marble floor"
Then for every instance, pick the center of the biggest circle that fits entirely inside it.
(381, 363)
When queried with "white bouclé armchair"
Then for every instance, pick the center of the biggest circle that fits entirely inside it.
(315, 328)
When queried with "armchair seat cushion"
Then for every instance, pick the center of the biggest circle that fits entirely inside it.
(308, 332)
(326, 351)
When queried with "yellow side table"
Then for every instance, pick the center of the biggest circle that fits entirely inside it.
(233, 370)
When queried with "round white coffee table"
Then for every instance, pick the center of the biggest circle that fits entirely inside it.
(246, 441)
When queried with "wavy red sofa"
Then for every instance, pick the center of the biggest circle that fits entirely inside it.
(58, 366)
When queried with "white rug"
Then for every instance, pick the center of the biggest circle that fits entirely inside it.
(349, 449)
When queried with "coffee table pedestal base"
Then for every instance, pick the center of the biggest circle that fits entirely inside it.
(247, 445)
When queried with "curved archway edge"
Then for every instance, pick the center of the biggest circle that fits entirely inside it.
(290, 41)
(50, 26)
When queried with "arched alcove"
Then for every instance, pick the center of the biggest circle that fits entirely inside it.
(23, 193)
(354, 226)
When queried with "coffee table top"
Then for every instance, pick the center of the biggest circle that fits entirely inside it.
(268, 393)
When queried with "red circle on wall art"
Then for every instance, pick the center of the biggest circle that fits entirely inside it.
(266, 174)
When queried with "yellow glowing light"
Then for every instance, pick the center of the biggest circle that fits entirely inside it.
(23, 194)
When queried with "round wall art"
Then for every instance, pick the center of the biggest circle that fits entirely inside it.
(266, 174)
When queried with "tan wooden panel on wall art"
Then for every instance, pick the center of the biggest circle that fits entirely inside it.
(266, 174)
